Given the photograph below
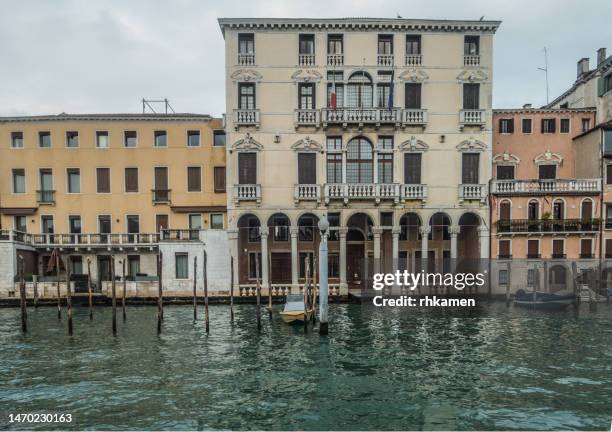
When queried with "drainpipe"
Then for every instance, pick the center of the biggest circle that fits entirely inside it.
(490, 234)
(601, 201)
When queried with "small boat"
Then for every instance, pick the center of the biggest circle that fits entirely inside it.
(544, 300)
(294, 312)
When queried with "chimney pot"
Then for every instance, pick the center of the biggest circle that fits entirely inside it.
(583, 66)
(601, 56)
(527, 106)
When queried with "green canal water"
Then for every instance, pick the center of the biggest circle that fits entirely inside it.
(385, 369)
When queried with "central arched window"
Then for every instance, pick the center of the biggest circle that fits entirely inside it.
(359, 161)
(359, 93)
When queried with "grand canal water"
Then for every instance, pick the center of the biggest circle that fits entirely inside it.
(507, 369)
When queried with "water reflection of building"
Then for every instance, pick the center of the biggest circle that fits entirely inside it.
(382, 125)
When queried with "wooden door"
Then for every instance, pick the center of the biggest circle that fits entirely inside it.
(354, 265)
(247, 168)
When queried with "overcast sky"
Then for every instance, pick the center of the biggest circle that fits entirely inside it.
(105, 56)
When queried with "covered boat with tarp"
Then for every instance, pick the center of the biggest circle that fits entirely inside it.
(544, 300)
(294, 311)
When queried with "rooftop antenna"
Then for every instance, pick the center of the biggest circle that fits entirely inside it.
(545, 70)
(150, 103)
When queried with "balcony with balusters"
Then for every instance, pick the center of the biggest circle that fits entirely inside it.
(307, 117)
(376, 192)
(472, 192)
(472, 117)
(82, 241)
(246, 117)
(361, 116)
(247, 192)
(413, 60)
(547, 186)
(385, 60)
(307, 192)
(414, 117)
(410, 192)
(246, 59)
(306, 59)
(335, 59)
(471, 60)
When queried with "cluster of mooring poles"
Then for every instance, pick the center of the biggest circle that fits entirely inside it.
(310, 289)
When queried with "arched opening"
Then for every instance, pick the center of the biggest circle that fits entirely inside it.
(279, 248)
(359, 161)
(468, 242)
(586, 215)
(439, 242)
(359, 92)
(410, 240)
(308, 244)
(357, 245)
(249, 248)
(558, 214)
(505, 214)
(557, 278)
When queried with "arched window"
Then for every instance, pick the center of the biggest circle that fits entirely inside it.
(359, 161)
(409, 226)
(359, 92)
(558, 209)
(504, 210)
(533, 210)
(439, 223)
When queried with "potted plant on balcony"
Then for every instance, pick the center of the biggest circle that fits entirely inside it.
(546, 222)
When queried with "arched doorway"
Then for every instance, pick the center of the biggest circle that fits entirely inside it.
(249, 248)
(279, 248)
(468, 243)
(358, 238)
(308, 244)
(557, 278)
(359, 161)
(360, 91)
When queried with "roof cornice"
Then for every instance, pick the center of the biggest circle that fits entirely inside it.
(543, 110)
(108, 117)
(384, 24)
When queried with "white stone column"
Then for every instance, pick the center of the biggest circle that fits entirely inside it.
(377, 232)
(375, 175)
(265, 276)
(454, 232)
(342, 233)
(425, 230)
(344, 167)
(294, 259)
(395, 247)
(483, 232)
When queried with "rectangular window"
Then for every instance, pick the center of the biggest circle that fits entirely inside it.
(412, 168)
(77, 264)
(334, 81)
(549, 125)
(280, 229)
(161, 222)
(247, 168)
(254, 265)
(219, 173)
(547, 172)
(130, 139)
(608, 250)
(607, 142)
(102, 139)
(334, 168)
(506, 126)
(74, 180)
(17, 139)
(383, 89)
(46, 224)
(307, 168)
(216, 221)
(385, 167)
(19, 223)
(413, 44)
(564, 126)
(133, 224)
(333, 265)
(385, 44)
(104, 225)
(44, 139)
(195, 222)
(526, 125)
(103, 180)
(504, 248)
(306, 257)
(160, 182)
(219, 138)
(306, 96)
(246, 96)
(586, 248)
(133, 267)
(557, 246)
(533, 248)
(334, 143)
(253, 230)
(74, 223)
(470, 168)
(193, 138)
(194, 179)
(181, 264)
(72, 139)
(503, 277)
(471, 45)
(608, 216)
(505, 172)
(471, 96)
(609, 174)
(161, 138)
(385, 142)
(19, 181)
(306, 229)
(131, 179)
(246, 43)
(412, 98)
(307, 44)
(586, 124)
(334, 44)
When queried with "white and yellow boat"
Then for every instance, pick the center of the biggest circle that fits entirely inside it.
(294, 312)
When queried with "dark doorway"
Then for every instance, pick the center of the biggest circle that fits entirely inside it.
(354, 263)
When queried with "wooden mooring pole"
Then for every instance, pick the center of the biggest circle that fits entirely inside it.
(269, 295)
(89, 290)
(195, 283)
(160, 306)
(313, 293)
(231, 289)
(204, 270)
(124, 291)
(258, 291)
(68, 297)
(35, 283)
(114, 295)
(57, 274)
(306, 282)
(22, 296)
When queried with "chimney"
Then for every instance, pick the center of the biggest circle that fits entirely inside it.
(583, 66)
(527, 106)
(601, 56)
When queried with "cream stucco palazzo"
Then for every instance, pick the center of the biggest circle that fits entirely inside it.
(400, 163)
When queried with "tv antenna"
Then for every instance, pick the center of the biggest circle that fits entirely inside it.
(545, 70)
(151, 103)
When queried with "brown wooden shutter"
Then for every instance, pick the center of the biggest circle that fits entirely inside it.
(161, 178)
(608, 248)
(557, 248)
(412, 168)
(609, 174)
(161, 222)
(547, 172)
(504, 211)
(103, 180)
(504, 248)
(131, 179)
(587, 209)
(471, 96)
(469, 172)
(413, 96)
(532, 248)
(280, 265)
(194, 179)
(247, 168)
(307, 168)
(219, 179)
(585, 247)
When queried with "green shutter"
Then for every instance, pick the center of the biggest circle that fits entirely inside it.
(600, 86)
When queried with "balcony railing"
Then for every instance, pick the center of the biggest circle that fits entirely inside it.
(413, 59)
(375, 116)
(335, 59)
(471, 60)
(472, 191)
(306, 59)
(45, 196)
(307, 192)
(362, 191)
(76, 240)
(161, 195)
(547, 186)
(414, 117)
(180, 234)
(413, 192)
(246, 117)
(246, 59)
(517, 226)
(472, 117)
(385, 60)
(247, 192)
(307, 117)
